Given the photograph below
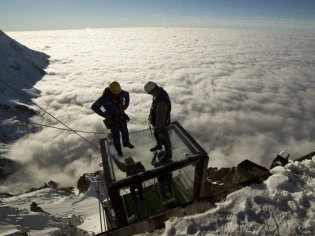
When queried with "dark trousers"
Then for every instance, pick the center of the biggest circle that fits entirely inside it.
(120, 127)
(165, 184)
(163, 138)
(133, 191)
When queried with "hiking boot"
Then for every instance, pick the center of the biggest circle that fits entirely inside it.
(129, 145)
(157, 147)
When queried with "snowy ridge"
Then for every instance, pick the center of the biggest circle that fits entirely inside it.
(65, 212)
(283, 205)
(20, 68)
(20, 59)
(15, 221)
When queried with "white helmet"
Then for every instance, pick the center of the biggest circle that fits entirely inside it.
(149, 86)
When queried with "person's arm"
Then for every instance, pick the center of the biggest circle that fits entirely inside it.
(96, 107)
(120, 165)
(127, 100)
(161, 114)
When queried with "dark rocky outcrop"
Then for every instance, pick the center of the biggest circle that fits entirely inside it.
(25, 109)
(7, 167)
(83, 184)
(36, 208)
(84, 181)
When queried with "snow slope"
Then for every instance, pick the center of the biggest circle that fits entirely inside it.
(21, 68)
(68, 213)
(283, 205)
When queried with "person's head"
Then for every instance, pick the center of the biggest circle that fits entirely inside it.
(129, 162)
(150, 87)
(115, 88)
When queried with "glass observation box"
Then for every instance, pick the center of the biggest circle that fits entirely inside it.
(161, 185)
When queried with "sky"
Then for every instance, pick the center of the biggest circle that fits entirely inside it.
(241, 94)
(284, 204)
(271, 15)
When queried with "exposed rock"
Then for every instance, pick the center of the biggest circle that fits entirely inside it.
(4, 107)
(84, 181)
(221, 179)
(25, 109)
(40, 70)
(4, 195)
(55, 185)
(83, 184)
(7, 167)
(34, 207)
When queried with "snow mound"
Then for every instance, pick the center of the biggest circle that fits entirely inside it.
(15, 221)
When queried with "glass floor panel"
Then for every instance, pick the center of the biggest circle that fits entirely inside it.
(143, 141)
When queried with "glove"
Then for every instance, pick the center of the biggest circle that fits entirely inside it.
(125, 107)
(106, 115)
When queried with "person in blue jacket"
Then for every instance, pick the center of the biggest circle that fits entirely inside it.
(115, 101)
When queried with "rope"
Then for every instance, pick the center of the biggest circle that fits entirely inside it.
(28, 122)
(50, 115)
(99, 205)
(68, 128)
(79, 131)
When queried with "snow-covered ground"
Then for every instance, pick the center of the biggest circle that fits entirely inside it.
(66, 211)
(283, 205)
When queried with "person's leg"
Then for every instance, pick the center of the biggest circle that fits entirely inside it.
(158, 145)
(164, 138)
(140, 191)
(124, 132)
(116, 139)
(133, 193)
(125, 135)
(169, 184)
(162, 186)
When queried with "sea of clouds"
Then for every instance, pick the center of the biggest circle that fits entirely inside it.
(240, 94)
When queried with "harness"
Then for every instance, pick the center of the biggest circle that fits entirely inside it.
(119, 116)
(163, 97)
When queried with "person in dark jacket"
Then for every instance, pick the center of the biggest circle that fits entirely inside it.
(115, 101)
(131, 168)
(160, 117)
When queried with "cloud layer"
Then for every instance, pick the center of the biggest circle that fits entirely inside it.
(241, 94)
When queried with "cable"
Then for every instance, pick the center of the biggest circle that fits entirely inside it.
(79, 131)
(50, 115)
(68, 128)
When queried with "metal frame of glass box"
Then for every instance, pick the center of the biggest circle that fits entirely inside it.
(197, 158)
